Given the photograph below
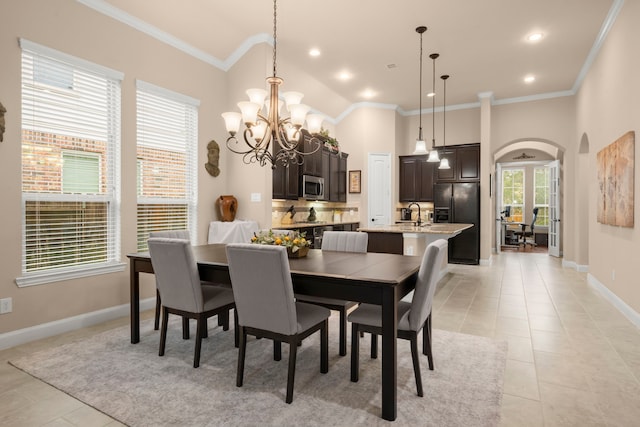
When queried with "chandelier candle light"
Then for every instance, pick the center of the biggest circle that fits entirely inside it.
(421, 146)
(260, 130)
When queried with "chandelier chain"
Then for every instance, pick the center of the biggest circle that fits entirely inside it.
(275, 38)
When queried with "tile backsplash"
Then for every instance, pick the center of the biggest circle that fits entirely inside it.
(325, 211)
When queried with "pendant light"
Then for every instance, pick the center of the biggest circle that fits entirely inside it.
(444, 163)
(433, 154)
(421, 146)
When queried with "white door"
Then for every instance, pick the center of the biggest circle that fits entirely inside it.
(554, 208)
(497, 196)
(379, 189)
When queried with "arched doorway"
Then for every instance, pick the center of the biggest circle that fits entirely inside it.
(532, 173)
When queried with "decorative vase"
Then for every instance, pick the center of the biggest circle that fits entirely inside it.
(228, 207)
(300, 253)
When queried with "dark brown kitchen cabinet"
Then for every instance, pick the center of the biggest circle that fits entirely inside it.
(285, 182)
(312, 164)
(334, 172)
(416, 179)
(464, 161)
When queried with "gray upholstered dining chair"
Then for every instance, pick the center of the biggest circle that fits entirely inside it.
(168, 234)
(413, 316)
(266, 306)
(178, 282)
(343, 241)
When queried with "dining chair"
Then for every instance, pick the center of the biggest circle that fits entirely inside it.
(178, 282)
(413, 316)
(168, 234)
(266, 306)
(342, 241)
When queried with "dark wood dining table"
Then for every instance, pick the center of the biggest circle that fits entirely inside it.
(373, 278)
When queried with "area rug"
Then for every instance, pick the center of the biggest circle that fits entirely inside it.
(135, 386)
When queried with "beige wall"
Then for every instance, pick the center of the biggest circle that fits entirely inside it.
(607, 107)
(74, 29)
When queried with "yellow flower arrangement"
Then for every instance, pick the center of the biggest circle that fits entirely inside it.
(281, 238)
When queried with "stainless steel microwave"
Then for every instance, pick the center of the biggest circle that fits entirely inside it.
(312, 187)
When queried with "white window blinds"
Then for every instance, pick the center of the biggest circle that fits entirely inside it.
(167, 129)
(70, 166)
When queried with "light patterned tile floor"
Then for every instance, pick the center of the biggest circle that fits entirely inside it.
(573, 359)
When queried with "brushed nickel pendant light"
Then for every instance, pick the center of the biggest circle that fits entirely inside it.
(421, 146)
(433, 154)
(444, 163)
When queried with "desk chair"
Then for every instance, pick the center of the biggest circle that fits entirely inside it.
(178, 282)
(413, 317)
(267, 308)
(523, 233)
(341, 241)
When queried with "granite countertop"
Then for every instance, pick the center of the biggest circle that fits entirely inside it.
(438, 228)
(310, 224)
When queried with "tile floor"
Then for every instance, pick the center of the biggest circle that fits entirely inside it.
(573, 359)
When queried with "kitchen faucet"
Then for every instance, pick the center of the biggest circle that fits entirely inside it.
(419, 221)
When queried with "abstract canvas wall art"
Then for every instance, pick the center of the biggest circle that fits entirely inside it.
(615, 180)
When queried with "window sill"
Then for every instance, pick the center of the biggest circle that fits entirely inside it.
(42, 278)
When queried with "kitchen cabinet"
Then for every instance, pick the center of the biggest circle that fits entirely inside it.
(285, 182)
(416, 179)
(313, 162)
(386, 243)
(464, 161)
(334, 172)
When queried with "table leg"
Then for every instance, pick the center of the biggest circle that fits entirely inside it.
(134, 283)
(389, 353)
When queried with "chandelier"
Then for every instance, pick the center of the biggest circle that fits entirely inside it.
(421, 146)
(267, 137)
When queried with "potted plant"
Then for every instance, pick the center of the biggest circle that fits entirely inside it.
(297, 245)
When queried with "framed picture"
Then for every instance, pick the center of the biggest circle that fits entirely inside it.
(354, 181)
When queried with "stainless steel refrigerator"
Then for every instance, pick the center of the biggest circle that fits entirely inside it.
(460, 203)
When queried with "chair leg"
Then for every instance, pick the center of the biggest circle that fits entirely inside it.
(416, 362)
(293, 350)
(236, 329)
(355, 353)
(156, 324)
(343, 332)
(163, 332)
(324, 347)
(374, 346)
(185, 328)
(223, 320)
(277, 350)
(201, 325)
(426, 342)
(241, 352)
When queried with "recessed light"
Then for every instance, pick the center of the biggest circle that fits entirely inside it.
(431, 94)
(345, 75)
(314, 52)
(534, 37)
(368, 93)
(529, 79)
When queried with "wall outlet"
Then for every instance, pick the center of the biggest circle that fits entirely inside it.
(256, 197)
(6, 305)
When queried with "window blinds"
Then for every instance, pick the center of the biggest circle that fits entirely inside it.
(70, 164)
(167, 126)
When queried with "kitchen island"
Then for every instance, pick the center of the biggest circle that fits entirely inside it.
(409, 239)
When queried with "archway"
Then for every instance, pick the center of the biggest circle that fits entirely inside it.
(526, 158)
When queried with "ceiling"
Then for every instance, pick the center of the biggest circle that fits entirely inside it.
(482, 44)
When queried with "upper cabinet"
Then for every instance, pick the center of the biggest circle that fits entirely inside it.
(285, 182)
(416, 179)
(312, 162)
(464, 161)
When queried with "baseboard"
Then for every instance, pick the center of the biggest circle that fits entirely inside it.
(486, 262)
(45, 330)
(622, 306)
(577, 267)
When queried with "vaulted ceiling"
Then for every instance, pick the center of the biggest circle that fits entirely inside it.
(482, 44)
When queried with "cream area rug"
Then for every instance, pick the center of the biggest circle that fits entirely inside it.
(131, 383)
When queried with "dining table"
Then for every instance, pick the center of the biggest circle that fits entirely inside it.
(373, 278)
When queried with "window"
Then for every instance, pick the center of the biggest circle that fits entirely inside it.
(70, 166)
(513, 192)
(167, 125)
(541, 194)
